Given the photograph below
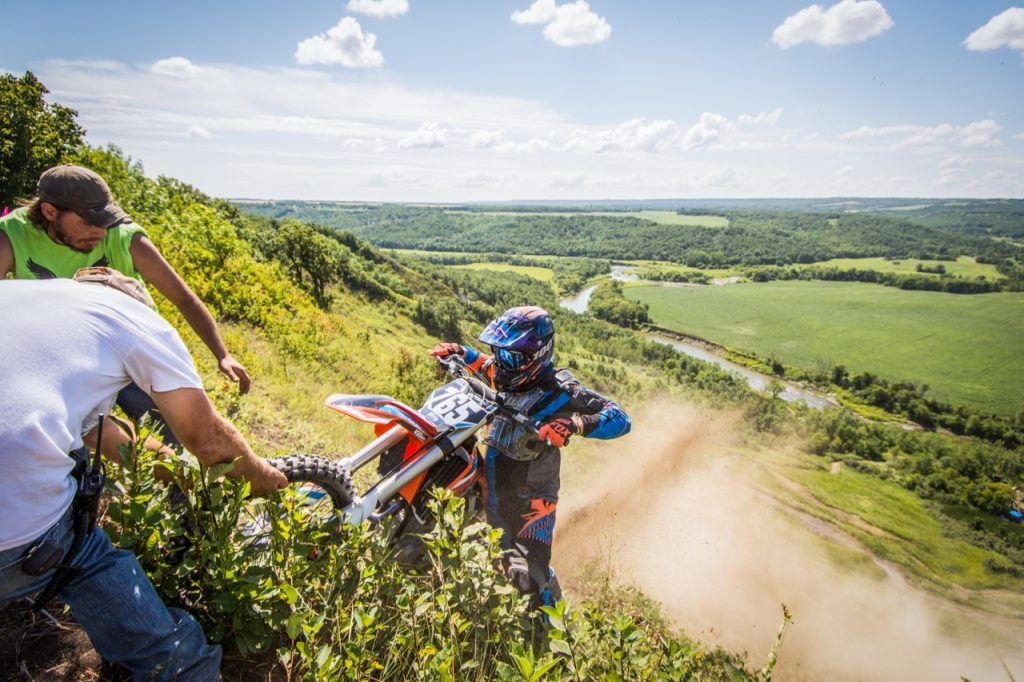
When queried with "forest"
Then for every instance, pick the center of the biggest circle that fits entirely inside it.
(751, 238)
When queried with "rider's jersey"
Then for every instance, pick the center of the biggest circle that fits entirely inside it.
(557, 395)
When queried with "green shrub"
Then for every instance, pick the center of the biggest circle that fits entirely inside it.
(331, 603)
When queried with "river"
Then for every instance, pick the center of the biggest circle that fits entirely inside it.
(759, 382)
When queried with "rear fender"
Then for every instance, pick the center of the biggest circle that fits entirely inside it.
(384, 412)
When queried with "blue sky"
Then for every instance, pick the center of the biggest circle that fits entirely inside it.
(458, 100)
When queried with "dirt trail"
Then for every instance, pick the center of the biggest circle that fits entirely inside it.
(676, 511)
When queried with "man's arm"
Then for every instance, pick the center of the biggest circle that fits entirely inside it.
(213, 439)
(597, 416)
(116, 433)
(6, 255)
(157, 271)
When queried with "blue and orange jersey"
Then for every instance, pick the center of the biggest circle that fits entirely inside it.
(565, 397)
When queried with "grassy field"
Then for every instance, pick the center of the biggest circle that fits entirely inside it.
(893, 523)
(470, 254)
(673, 218)
(964, 266)
(543, 274)
(663, 217)
(967, 348)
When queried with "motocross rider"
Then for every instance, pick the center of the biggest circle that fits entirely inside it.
(523, 468)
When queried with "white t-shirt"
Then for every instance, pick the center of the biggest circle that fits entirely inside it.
(66, 349)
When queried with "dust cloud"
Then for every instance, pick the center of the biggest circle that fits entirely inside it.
(677, 510)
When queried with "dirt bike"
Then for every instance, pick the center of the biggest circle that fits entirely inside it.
(416, 451)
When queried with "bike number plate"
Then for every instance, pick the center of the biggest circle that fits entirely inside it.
(455, 405)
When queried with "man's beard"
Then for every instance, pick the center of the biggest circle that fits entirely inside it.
(61, 236)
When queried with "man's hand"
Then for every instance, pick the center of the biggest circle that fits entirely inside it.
(236, 372)
(443, 350)
(557, 431)
(265, 479)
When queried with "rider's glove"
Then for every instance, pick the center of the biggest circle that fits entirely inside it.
(557, 431)
(443, 350)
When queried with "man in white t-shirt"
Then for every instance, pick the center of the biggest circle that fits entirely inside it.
(66, 349)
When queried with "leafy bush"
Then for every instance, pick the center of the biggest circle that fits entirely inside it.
(331, 603)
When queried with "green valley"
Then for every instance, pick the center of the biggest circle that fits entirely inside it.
(967, 348)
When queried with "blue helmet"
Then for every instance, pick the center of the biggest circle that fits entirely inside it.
(522, 343)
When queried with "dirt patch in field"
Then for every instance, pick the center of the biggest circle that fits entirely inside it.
(677, 511)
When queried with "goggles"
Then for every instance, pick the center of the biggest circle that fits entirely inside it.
(510, 359)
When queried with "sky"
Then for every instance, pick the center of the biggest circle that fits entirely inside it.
(503, 100)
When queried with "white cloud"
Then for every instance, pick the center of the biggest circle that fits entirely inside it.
(477, 179)
(1019, 136)
(980, 134)
(496, 140)
(391, 178)
(845, 171)
(428, 136)
(1002, 30)
(569, 25)
(951, 169)
(762, 118)
(635, 135)
(569, 181)
(378, 8)
(487, 139)
(845, 23)
(705, 132)
(533, 145)
(640, 134)
(977, 134)
(198, 131)
(344, 43)
(352, 143)
(178, 67)
(722, 178)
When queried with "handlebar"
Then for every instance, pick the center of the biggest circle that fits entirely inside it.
(458, 368)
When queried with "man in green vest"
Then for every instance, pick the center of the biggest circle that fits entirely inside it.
(73, 222)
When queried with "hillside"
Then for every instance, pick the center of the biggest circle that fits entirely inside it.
(310, 314)
(750, 238)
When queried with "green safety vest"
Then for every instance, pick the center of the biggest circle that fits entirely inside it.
(36, 256)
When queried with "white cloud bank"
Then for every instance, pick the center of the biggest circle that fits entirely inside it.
(976, 134)
(344, 43)
(381, 9)
(1002, 30)
(289, 132)
(642, 135)
(569, 25)
(845, 23)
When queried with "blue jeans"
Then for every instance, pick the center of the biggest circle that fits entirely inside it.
(113, 600)
(137, 404)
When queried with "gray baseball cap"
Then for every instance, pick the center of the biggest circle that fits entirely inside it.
(82, 191)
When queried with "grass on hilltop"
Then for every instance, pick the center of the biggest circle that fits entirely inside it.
(964, 266)
(543, 274)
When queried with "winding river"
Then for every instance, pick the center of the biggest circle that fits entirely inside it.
(758, 381)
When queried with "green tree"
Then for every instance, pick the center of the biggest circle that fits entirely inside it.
(34, 135)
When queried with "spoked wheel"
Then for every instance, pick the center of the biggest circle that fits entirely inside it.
(322, 486)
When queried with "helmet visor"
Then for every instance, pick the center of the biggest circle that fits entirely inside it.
(511, 360)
